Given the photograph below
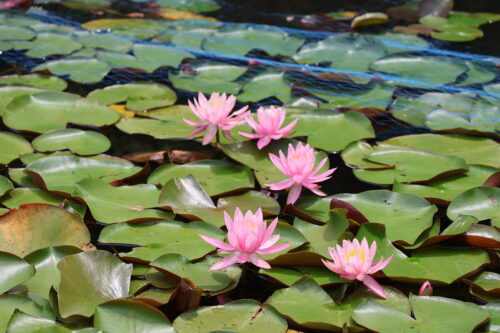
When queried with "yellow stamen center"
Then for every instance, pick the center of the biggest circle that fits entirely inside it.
(353, 253)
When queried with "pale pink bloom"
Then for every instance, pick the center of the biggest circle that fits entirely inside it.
(354, 261)
(215, 113)
(248, 236)
(268, 127)
(298, 166)
(425, 286)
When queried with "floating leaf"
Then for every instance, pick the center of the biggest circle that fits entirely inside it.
(480, 71)
(10, 302)
(155, 56)
(16, 33)
(47, 111)
(239, 39)
(89, 279)
(82, 70)
(37, 226)
(433, 314)
(332, 130)
(106, 41)
(198, 6)
(45, 262)
(217, 177)
(243, 316)
(405, 216)
(487, 281)
(482, 202)
(128, 316)
(109, 204)
(139, 96)
(135, 28)
(267, 84)
(12, 146)
(5, 185)
(8, 93)
(289, 276)
(162, 237)
(50, 43)
(369, 19)
(77, 141)
(421, 71)
(35, 80)
(61, 173)
(14, 271)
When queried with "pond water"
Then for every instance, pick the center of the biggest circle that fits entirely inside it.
(410, 122)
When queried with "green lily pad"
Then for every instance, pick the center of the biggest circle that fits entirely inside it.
(185, 197)
(376, 97)
(266, 172)
(332, 130)
(18, 176)
(50, 43)
(243, 316)
(16, 33)
(457, 34)
(82, 70)
(345, 52)
(440, 264)
(47, 111)
(487, 281)
(493, 309)
(139, 96)
(45, 262)
(21, 196)
(89, 279)
(37, 226)
(14, 271)
(288, 276)
(161, 237)
(327, 235)
(369, 19)
(35, 80)
(319, 312)
(32, 157)
(209, 77)
(385, 163)
(128, 316)
(473, 150)
(106, 41)
(267, 84)
(447, 189)
(135, 28)
(109, 204)
(191, 38)
(443, 111)
(77, 141)
(61, 173)
(197, 6)
(155, 56)
(481, 202)
(239, 39)
(5, 185)
(421, 71)
(399, 42)
(8, 93)
(480, 71)
(433, 314)
(160, 129)
(86, 4)
(217, 177)
(178, 266)
(12, 146)
(405, 216)
(10, 302)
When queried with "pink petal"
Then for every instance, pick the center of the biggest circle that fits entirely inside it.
(278, 162)
(274, 249)
(229, 221)
(316, 191)
(210, 134)
(217, 243)
(373, 285)
(281, 185)
(294, 194)
(270, 242)
(194, 123)
(270, 229)
(227, 135)
(250, 135)
(380, 265)
(226, 262)
(332, 267)
(288, 128)
(252, 123)
(263, 142)
(259, 262)
(425, 285)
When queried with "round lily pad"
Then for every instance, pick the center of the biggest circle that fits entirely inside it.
(49, 43)
(135, 28)
(82, 70)
(198, 6)
(244, 316)
(77, 141)
(5, 185)
(217, 177)
(35, 80)
(482, 202)
(47, 111)
(8, 93)
(267, 84)
(12, 146)
(15, 271)
(106, 41)
(37, 226)
(109, 204)
(139, 96)
(368, 19)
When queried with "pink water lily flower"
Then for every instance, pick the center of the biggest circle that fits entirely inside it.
(425, 289)
(298, 166)
(354, 261)
(248, 236)
(268, 127)
(215, 113)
